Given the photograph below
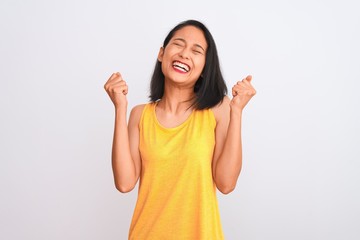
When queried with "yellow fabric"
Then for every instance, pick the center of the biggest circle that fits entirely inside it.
(177, 194)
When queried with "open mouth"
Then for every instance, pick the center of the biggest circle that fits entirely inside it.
(182, 67)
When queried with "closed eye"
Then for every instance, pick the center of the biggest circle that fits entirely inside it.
(197, 52)
(179, 42)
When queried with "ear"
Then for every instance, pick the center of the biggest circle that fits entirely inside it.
(161, 54)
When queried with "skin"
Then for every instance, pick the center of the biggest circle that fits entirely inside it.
(188, 46)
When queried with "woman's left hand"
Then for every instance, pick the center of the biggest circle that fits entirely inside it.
(242, 92)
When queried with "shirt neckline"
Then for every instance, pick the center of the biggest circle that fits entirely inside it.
(188, 119)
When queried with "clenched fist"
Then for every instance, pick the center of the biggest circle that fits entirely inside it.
(242, 92)
(117, 89)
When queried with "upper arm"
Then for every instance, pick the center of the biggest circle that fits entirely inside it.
(222, 116)
(134, 136)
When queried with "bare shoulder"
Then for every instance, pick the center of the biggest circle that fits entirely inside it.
(138, 109)
(135, 114)
(222, 109)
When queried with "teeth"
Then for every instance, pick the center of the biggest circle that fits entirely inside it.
(181, 66)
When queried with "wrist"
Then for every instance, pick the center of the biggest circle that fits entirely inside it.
(120, 110)
(235, 111)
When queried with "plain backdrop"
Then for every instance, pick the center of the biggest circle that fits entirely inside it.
(300, 177)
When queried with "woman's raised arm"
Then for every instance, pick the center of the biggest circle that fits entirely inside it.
(126, 161)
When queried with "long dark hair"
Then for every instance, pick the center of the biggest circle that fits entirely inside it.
(210, 88)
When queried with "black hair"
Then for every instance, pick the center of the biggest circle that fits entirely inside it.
(210, 88)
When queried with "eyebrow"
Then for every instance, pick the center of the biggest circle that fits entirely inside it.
(197, 45)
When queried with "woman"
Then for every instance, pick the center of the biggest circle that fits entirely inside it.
(182, 145)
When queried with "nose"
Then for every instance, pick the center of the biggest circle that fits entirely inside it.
(184, 53)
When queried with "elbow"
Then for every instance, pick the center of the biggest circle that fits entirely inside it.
(225, 184)
(226, 189)
(226, 178)
(124, 188)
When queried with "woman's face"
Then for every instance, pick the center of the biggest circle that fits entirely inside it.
(183, 59)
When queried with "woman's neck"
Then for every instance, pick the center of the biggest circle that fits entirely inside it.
(177, 100)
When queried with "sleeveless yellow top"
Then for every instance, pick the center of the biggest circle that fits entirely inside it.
(177, 194)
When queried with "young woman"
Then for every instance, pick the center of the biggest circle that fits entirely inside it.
(184, 143)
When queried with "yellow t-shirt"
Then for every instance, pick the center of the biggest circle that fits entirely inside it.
(177, 194)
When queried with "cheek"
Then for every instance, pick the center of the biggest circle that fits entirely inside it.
(164, 66)
(201, 64)
(165, 61)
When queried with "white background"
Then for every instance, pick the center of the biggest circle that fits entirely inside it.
(300, 177)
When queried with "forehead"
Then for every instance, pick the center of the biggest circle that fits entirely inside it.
(191, 35)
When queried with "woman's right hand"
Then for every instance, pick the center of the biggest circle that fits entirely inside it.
(117, 89)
